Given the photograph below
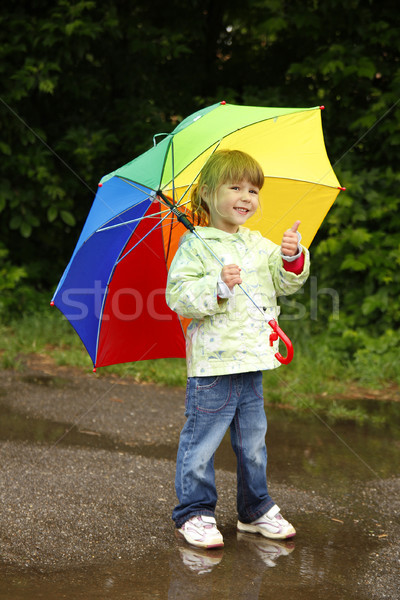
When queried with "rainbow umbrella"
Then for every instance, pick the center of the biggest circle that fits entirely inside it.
(112, 290)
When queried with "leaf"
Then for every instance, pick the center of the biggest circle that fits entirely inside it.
(377, 301)
(47, 86)
(15, 222)
(5, 148)
(52, 213)
(25, 229)
(353, 264)
(68, 217)
(366, 68)
(360, 236)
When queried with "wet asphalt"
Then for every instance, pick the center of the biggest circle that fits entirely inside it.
(86, 490)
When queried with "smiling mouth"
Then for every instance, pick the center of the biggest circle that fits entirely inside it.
(242, 211)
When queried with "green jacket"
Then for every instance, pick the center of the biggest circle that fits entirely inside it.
(231, 335)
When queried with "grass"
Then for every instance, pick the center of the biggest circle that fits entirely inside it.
(49, 333)
(317, 380)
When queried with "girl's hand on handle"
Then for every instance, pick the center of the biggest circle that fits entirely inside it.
(290, 240)
(230, 275)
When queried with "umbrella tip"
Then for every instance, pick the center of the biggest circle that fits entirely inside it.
(322, 107)
(100, 185)
(94, 369)
(341, 188)
(223, 102)
(52, 303)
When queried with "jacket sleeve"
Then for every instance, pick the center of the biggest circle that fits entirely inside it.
(287, 282)
(192, 285)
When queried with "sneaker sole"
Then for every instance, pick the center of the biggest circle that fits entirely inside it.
(247, 527)
(197, 544)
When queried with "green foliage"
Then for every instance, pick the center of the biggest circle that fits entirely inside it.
(360, 252)
(10, 278)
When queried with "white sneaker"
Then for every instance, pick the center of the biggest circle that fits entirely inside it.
(271, 525)
(201, 531)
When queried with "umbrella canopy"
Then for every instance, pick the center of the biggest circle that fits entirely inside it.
(112, 290)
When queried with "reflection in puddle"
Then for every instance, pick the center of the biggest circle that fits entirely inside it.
(268, 551)
(199, 561)
(249, 567)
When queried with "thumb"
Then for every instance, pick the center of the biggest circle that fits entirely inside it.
(295, 227)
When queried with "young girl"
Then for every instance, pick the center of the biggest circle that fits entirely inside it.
(227, 346)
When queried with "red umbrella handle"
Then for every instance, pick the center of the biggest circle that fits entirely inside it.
(278, 333)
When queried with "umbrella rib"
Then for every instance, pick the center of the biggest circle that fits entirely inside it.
(148, 195)
(313, 184)
(118, 214)
(132, 184)
(171, 225)
(173, 168)
(189, 187)
(173, 197)
(141, 239)
(153, 216)
(154, 193)
(319, 182)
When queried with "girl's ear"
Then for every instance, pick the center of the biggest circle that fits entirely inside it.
(204, 191)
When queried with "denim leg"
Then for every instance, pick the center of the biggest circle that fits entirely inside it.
(248, 430)
(209, 410)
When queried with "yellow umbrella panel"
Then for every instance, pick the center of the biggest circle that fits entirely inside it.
(300, 183)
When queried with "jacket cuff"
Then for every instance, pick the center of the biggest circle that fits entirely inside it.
(222, 289)
(295, 266)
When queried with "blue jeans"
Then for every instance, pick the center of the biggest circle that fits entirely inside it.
(212, 405)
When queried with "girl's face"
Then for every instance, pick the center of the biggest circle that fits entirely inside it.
(233, 204)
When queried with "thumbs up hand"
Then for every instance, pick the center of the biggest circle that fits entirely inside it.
(290, 240)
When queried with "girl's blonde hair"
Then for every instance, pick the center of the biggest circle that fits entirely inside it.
(222, 167)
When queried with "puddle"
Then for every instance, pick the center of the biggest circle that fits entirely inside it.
(324, 562)
(304, 453)
(46, 380)
(248, 568)
(307, 453)
(20, 427)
